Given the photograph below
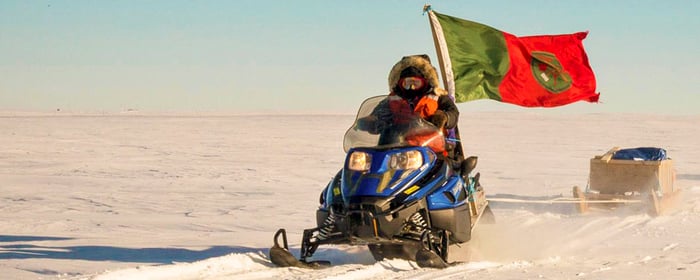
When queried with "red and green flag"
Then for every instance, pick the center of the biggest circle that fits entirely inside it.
(481, 62)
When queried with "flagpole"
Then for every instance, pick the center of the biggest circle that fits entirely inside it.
(445, 69)
(442, 52)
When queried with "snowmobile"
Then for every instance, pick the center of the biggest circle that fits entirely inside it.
(398, 193)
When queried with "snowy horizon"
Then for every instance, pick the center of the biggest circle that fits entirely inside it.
(465, 111)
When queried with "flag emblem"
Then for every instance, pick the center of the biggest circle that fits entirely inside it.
(549, 73)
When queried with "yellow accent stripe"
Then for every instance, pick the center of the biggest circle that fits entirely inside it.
(411, 189)
(374, 222)
(384, 180)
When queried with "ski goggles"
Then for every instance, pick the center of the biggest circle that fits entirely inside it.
(412, 83)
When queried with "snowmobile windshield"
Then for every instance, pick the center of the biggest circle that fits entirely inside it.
(382, 122)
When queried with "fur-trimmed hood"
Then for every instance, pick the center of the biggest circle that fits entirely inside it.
(420, 62)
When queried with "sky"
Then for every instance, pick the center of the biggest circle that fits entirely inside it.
(316, 56)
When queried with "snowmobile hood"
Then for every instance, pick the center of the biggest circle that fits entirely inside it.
(381, 180)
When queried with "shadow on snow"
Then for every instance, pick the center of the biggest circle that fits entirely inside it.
(108, 253)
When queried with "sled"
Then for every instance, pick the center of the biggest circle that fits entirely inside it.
(615, 182)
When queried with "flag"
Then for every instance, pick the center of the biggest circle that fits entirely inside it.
(481, 62)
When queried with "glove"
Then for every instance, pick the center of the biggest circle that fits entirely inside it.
(439, 119)
(368, 123)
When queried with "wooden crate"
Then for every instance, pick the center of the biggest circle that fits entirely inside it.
(615, 182)
(614, 176)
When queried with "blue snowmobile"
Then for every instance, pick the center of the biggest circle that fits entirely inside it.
(398, 193)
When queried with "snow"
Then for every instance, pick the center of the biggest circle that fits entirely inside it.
(199, 196)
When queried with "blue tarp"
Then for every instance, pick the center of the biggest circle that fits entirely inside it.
(642, 153)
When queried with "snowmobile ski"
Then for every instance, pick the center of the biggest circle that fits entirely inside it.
(280, 255)
(429, 259)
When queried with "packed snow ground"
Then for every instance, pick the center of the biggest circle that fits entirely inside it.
(185, 196)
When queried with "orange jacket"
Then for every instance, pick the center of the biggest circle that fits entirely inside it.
(424, 107)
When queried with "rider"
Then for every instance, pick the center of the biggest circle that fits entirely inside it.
(414, 86)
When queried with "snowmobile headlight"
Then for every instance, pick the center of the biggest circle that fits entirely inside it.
(359, 161)
(406, 160)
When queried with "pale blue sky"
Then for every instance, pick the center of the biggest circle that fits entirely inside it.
(315, 56)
